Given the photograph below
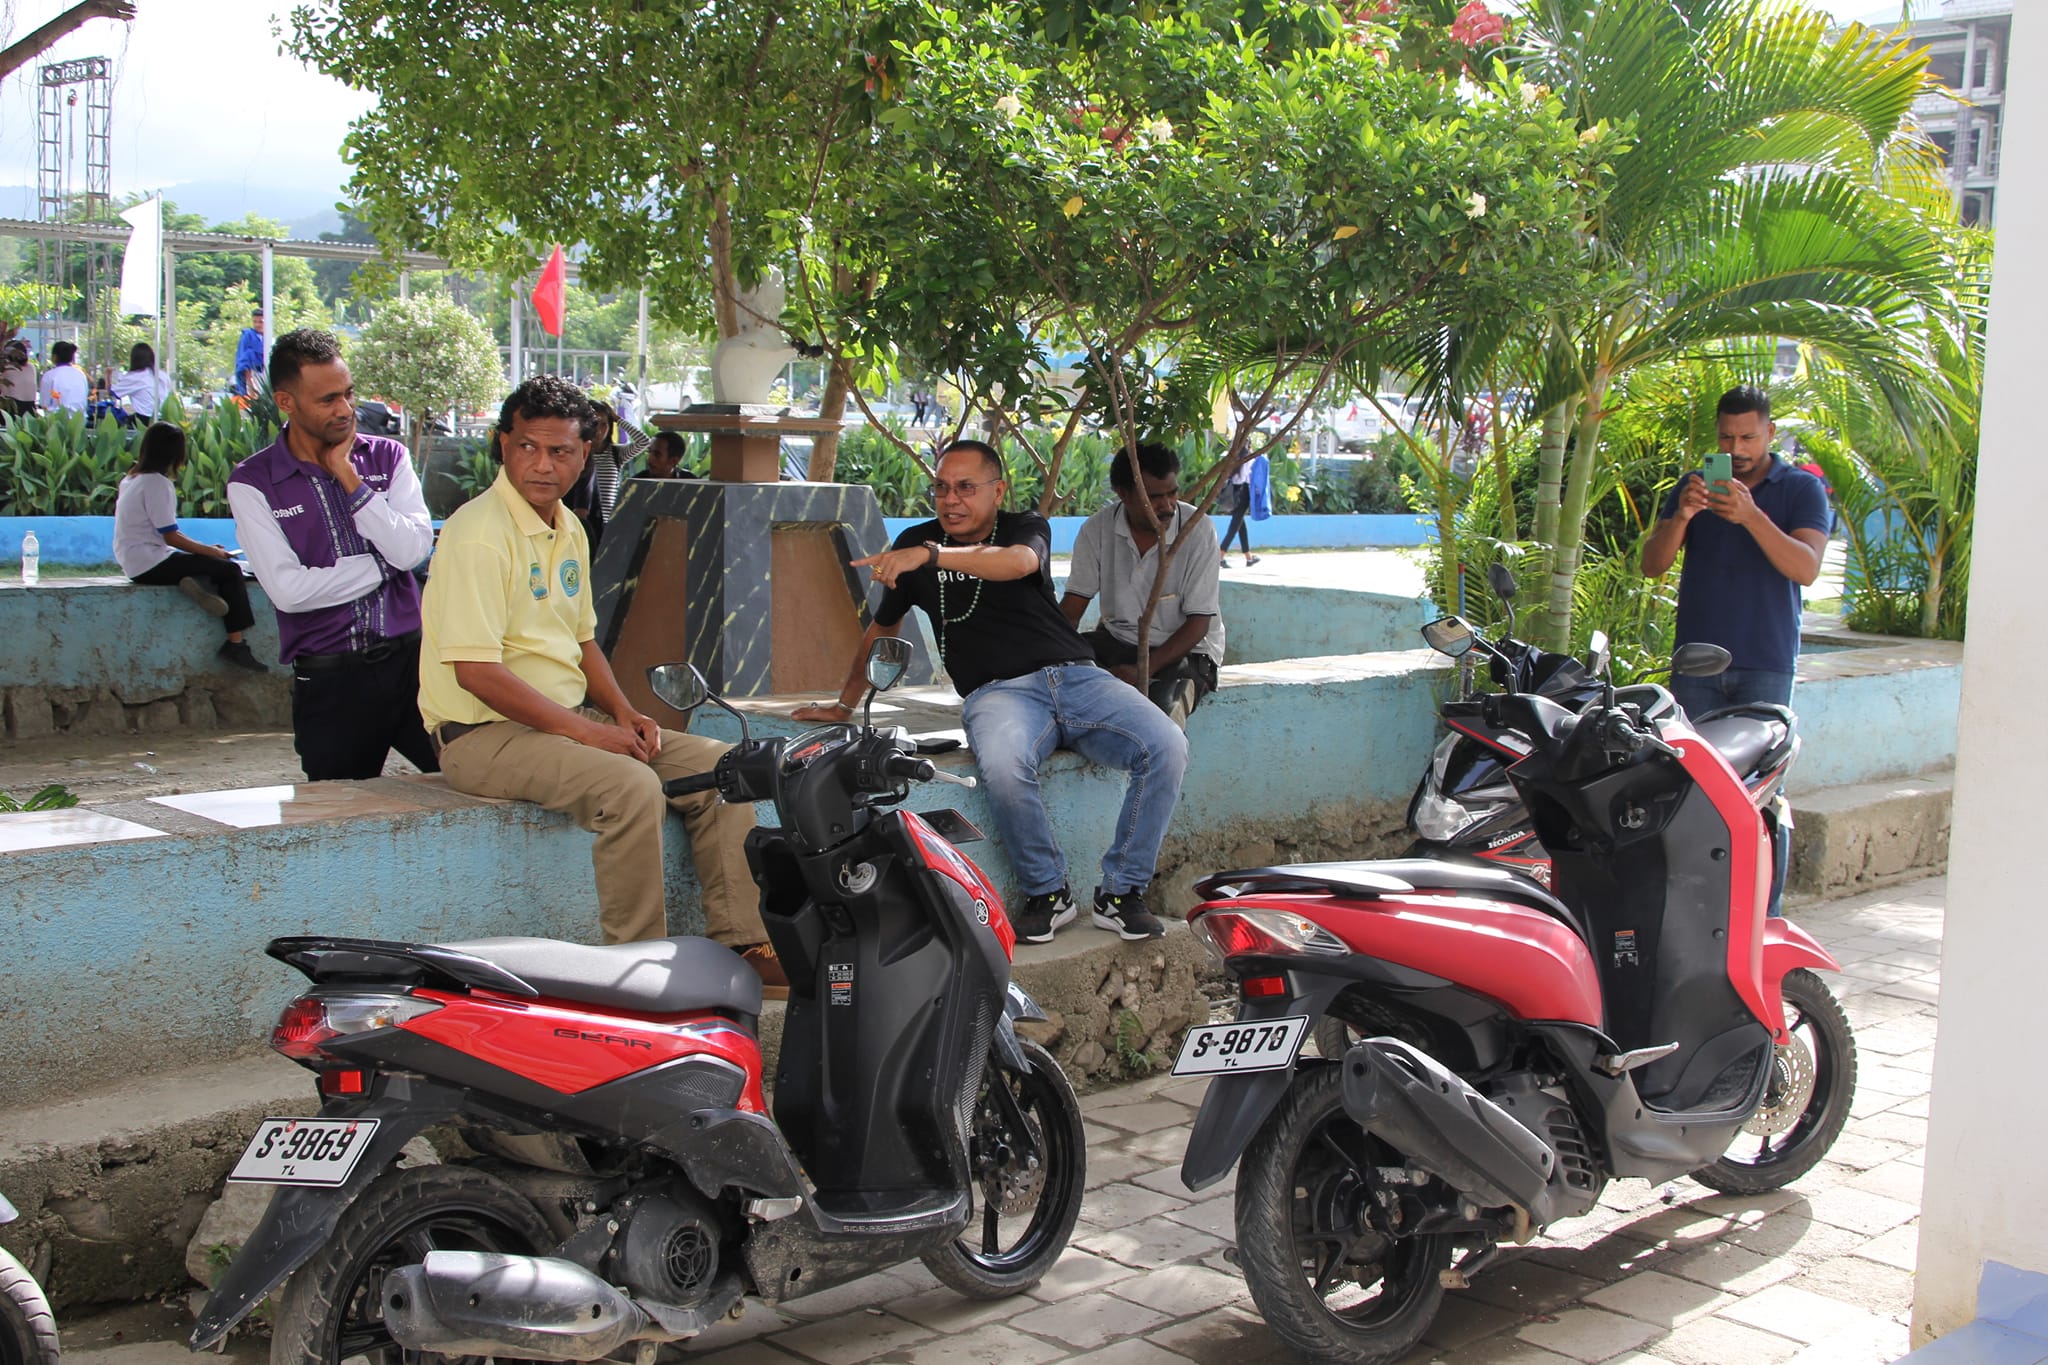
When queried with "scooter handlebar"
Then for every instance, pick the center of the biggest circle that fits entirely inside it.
(686, 786)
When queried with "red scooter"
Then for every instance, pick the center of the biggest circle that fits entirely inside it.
(1518, 1048)
(620, 1183)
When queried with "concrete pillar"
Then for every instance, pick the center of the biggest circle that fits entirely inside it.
(405, 284)
(269, 322)
(167, 354)
(1986, 1182)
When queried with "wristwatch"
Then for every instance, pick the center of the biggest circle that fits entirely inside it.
(933, 546)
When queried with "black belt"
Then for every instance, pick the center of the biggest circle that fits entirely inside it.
(451, 730)
(372, 654)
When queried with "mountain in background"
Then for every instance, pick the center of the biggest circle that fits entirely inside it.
(306, 212)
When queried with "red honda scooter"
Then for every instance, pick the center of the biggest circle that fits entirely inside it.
(1518, 1048)
(620, 1183)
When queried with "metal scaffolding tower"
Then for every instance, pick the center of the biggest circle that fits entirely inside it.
(67, 90)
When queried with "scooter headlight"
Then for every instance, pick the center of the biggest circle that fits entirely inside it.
(1440, 819)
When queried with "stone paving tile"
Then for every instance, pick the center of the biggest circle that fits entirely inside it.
(1181, 1291)
(868, 1291)
(1217, 1217)
(1107, 1166)
(1131, 1352)
(747, 1353)
(1227, 1336)
(1663, 1300)
(1529, 1286)
(1899, 1248)
(1724, 1265)
(1464, 1319)
(1167, 1180)
(1153, 1115)
(1587, 1333)
(1077, 1272)
(851, 1338)
(1717, 1341)
(1893, 1180)
(1881, 1289)
(1802, 1315)
(943, 1310)
(1501, 1350)
(1149, 1247)
(1090, 1320)
(1860, 1210)
(1115, 1206)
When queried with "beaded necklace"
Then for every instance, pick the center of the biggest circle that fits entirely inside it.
(972, 602)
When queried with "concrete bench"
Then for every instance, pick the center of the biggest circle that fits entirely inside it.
(104, 656)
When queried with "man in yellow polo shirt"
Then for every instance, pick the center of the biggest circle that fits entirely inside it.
(522, 703)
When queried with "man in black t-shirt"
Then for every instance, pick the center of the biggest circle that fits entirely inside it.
(983, 578)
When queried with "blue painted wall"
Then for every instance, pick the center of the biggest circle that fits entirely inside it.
(1868, 727)
(90, 540)
(141, 642)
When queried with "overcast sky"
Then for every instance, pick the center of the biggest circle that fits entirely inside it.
(201, 95)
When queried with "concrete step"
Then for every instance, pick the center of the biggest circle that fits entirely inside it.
(1872, 834)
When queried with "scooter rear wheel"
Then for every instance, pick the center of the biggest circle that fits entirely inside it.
(1023, 1216)
(1329, 1284)
(1813, 1080)
(332, 1307)
(28, 1331)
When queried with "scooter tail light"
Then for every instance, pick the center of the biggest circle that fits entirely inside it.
(315, 1019)
(1263, 987)
(1265, 933)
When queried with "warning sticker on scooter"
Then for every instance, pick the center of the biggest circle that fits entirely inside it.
(839, 983)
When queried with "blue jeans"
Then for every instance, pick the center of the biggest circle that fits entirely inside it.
(1015, 723)
(1737, 687)
(1734, 688)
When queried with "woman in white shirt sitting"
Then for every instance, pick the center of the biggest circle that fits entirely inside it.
(141, 390)
(150, 549)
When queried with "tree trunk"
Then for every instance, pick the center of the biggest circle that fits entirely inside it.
(1930, 599)
(1503, 477)
(725, 292)
(28, 49)
(1571, 519)
(1557, 424)
(831, 407)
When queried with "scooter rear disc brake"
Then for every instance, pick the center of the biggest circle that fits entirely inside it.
(1791, 1088)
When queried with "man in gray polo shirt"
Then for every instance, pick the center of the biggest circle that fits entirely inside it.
(1116, 558)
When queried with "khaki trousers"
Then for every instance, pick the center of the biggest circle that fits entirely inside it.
(619, 800)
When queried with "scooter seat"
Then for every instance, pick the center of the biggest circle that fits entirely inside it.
(1390, 877)
(1746, 735)
(660, 976)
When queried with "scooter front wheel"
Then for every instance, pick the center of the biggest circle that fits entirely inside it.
(1030, 1163)
(1813, 1079)
(28, 1332)
(1330, 1283)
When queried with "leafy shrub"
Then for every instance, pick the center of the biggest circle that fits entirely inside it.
(54, 464)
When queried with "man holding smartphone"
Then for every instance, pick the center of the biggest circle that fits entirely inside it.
(1746, 561)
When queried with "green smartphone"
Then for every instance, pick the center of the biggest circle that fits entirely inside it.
(1719, 468)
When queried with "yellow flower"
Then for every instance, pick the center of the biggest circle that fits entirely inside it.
(1072, 206)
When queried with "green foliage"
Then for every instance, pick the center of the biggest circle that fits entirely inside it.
(1132, 1060)
(52, 797)
(54, 464)
(427, 354)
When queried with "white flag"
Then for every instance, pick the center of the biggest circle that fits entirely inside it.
(142, 267)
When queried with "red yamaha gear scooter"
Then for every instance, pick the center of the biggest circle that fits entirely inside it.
(1518, 1048)
(628, 1185)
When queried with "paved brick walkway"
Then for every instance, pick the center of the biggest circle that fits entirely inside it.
(1820, 1273)
(1817, 1274)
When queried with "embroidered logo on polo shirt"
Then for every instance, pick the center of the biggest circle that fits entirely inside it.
(572, 577)
(537, 581)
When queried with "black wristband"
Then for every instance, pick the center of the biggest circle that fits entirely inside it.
(933, 562)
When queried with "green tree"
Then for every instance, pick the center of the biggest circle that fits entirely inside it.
(429, 356)
(1773, 187)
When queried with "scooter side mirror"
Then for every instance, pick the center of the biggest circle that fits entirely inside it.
(1599, 654)
(888, 661)
(1700, 660)
(678, 685)
(1450, 635)
(1501, 580)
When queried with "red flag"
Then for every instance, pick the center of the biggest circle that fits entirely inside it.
(551, 295)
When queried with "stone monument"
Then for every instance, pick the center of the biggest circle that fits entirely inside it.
(745, 575)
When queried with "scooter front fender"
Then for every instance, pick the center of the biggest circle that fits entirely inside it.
(1787, 947)
(301, 1218)
(1237, 1105)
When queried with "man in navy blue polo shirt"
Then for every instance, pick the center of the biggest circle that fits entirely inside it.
(1745, 561)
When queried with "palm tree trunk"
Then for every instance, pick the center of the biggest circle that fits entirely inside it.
(1550, 475)
(1571, 519)
(1504, 486)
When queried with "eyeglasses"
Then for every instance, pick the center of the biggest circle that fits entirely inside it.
(962, 490)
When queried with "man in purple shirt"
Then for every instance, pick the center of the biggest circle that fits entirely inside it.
(334, 523)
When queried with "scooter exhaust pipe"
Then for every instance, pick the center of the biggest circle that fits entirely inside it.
(485, 1303)
(1446, 1127)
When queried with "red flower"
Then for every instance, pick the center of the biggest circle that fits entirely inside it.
(1477, 27)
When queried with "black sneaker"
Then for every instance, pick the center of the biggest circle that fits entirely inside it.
(1125, 916)
(238, 653)
(210, 602)
(1044, 916)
